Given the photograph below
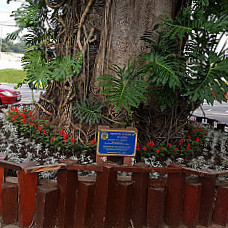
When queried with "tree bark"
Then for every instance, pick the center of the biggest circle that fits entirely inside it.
(106, 32)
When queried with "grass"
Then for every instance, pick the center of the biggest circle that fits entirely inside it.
(12, 76)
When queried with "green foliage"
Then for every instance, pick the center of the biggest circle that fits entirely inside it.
(124, 89)
(8, 46)
(37, 69)
(165, 67)
(211, 73)
(39, 61)
(65, 67)
(183, 56)
(33, 16)
(190, 144)
(88, 111)
(40, 72)
(40, 131)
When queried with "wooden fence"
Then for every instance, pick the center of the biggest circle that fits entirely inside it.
(179, 196)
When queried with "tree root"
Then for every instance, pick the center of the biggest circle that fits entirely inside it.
(43, 109)
(81, 23)
(48, 101)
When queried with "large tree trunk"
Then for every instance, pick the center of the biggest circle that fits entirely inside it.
(106, 32)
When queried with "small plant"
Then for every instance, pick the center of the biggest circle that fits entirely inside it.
(126, 89)
(40, 131)
(189, 146)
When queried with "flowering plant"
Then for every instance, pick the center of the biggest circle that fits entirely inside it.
(189, 145)
(41, 131)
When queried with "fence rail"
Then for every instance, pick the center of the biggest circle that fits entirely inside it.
(181, 196)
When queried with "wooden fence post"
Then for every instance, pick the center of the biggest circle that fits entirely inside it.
(140, 188)
(103, 199)
(221, 206)
(2, 157)
(191, 205)
(123, 205)
(155, 206)
(68, 184)
(174, 198)
(9, 203)
(84, 206)
(27, 183)
(207, 200)
(46, 206)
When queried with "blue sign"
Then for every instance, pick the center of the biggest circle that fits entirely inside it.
(116, 142)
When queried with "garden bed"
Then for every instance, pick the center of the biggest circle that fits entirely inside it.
(21, 147)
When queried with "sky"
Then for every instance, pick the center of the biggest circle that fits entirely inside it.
(7, 23)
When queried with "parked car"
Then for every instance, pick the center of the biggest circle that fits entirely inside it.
(9, 95)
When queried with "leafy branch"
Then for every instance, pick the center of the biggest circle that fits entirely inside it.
(126, 88)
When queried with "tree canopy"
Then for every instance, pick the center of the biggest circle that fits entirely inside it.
(9, 46)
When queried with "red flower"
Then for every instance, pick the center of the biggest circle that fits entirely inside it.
(48, 122)
(24, 121)
(32, 118)
(30, 113)
(169, 144)
(65, 136)
(29, 122)
(201, 129)
(62, 132)
(65, 141)
(52, 139)
(181, 141)
(72, 140)
(34, 125)
(9, 111)
(44, 133)
(144, 148)
(197, 140)
(162, 148)
(189, 136)
(157, 151)
(150, 144)
(137, 147)
(16, 110)
(39, 128)
(22, 115)
(188, 147)
(93, 141)
(14, 117)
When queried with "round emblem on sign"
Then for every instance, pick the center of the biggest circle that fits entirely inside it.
(104, 135)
